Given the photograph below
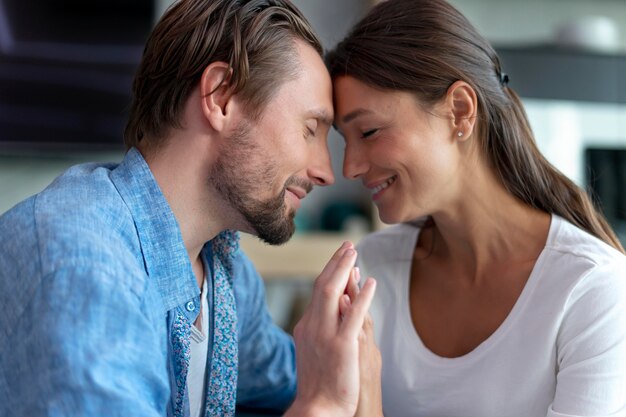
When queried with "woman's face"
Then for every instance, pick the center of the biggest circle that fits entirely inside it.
(405, 155)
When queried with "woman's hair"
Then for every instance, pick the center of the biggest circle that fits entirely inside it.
(423, 47)
(255, 37)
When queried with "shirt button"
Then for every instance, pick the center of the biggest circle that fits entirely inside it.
(191, 306)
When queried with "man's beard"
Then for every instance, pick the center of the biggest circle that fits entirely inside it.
(240, 173)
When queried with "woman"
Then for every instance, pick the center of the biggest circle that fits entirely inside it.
(501, 291)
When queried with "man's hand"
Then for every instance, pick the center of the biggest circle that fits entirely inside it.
(327, 341)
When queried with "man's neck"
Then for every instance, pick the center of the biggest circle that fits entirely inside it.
(180, 171)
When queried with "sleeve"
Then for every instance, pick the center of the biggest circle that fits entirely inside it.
(267, 360)
(84, 345)
(591, 347)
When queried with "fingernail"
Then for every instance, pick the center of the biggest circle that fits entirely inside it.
(357, 274)
(347, 300)
(349, 252)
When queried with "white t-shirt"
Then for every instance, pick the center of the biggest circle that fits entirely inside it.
(199, 346)
(560, 352)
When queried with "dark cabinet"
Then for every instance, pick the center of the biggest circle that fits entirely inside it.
(561, 74)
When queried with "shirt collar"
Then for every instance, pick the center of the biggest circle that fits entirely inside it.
(163, 250)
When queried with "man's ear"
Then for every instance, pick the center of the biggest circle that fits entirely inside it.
(216, 94)
(463, 103)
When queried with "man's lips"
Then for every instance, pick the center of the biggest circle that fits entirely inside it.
(298, 192)
(295, 196)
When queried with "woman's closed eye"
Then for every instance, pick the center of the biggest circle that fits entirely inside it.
(368, 133)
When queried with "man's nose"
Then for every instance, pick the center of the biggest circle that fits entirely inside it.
(320, 170)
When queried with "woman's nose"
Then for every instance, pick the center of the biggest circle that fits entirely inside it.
(354, 162)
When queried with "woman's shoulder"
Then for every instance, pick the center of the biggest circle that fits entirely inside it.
(575, 245)
(578, 263)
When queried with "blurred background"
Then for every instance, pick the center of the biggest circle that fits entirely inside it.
(66, 67)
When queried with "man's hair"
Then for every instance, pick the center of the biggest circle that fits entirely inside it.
(255, 37)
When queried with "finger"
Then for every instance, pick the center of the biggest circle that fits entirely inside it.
(351, 277)
(316, 305)
(326, 293)
(332, 262)
(368, 327)
(344, 304)
(355, 316)
(353, 285)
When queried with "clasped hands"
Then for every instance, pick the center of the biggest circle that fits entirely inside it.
(338, 363)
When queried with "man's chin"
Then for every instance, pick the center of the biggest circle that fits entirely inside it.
(276, 238)
(276, 234)
(274, 242)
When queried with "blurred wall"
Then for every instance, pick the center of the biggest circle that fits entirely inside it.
(529, 21)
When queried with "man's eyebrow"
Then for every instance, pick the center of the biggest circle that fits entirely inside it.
(323, 116)
(354, 114)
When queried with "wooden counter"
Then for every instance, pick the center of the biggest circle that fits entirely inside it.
(303, 257)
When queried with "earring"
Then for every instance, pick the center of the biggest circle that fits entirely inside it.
(459, 133)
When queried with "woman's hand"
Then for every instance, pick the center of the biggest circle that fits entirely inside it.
(370, 362)
(327, 342)
(370, 365)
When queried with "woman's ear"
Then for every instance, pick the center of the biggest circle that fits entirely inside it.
(462, 102)
(216, 94)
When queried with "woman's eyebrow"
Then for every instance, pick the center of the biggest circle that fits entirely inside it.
(354, 114)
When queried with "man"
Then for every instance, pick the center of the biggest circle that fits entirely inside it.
(123, 287)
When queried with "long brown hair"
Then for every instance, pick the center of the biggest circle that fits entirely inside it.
(423, 47)
(255, 37)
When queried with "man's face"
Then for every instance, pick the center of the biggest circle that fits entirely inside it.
(267, 166)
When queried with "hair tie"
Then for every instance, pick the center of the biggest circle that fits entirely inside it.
(504, 79)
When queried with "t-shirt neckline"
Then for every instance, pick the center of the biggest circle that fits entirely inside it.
(413, 337)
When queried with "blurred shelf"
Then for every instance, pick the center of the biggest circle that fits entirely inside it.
(303, 257)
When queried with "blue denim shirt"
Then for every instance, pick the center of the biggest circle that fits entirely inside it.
(92, 271)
